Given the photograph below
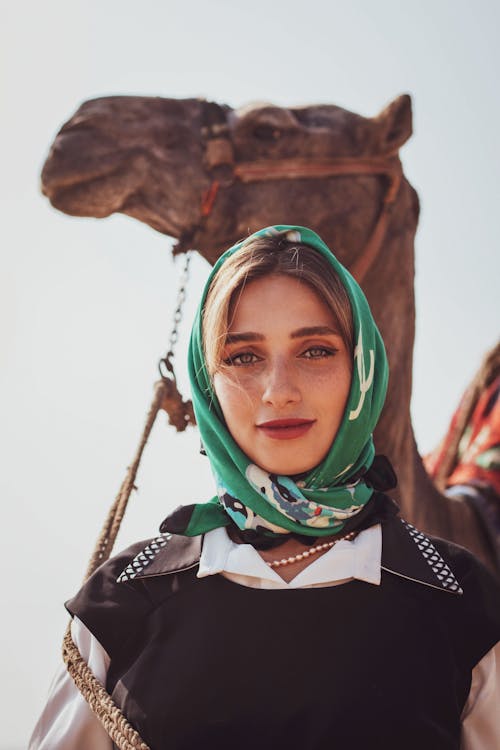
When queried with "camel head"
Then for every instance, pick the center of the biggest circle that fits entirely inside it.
(157, 159)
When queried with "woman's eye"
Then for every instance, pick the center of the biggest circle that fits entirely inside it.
(318, 352)
(240, 360)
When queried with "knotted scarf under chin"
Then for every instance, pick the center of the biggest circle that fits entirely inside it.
(323, 500)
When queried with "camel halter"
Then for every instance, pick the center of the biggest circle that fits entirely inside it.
(294, 169)
(218, 159)
(224, 172)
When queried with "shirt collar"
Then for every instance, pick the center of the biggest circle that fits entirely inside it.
(359, 558)
(405, 552)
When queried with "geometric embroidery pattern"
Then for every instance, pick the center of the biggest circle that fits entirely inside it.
(440, 569)
(144, 558)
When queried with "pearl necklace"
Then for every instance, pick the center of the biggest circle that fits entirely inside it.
(311, 551)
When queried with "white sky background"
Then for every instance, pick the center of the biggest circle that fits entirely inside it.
(86, 304)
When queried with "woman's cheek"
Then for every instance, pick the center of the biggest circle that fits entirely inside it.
(234, 390)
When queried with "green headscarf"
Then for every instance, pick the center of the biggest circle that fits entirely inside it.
(332, 492)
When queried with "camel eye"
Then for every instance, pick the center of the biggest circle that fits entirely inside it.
(266, 133)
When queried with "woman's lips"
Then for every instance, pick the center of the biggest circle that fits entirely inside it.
(286, 429)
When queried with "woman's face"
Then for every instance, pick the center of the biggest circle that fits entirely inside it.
(285, 377)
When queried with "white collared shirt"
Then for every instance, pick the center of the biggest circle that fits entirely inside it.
(67, 722)
(359, 558)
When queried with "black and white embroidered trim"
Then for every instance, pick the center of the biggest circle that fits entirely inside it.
(144, 558)
(430, 553)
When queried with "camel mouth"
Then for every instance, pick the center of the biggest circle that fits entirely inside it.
(55, 182)
(58, 174)
(79, 157)
(96, 194)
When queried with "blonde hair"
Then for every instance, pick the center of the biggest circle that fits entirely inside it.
(263, 256)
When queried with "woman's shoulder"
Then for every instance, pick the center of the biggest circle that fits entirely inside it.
(476, 615)
(123, 590)
(480, 588)
(432, 560)
(457, 586)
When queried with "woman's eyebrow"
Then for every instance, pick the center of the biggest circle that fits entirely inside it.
(249, 336)
(314, 331)
(234, 338)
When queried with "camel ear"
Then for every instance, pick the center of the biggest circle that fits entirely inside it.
(394, 124)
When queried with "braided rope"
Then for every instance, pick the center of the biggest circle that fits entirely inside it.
(111, 525)
(114, 722)
(102, 704)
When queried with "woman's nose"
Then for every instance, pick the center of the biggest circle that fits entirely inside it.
(280, 386)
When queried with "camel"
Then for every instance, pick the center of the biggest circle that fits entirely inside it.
(207, 175)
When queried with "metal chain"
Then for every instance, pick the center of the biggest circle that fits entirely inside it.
(165, 364)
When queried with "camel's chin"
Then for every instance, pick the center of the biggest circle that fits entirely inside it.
(85, 200)
(94, 195)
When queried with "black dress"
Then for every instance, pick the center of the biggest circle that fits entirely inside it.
(209, 663)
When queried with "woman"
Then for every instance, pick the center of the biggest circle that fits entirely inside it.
(294, 609)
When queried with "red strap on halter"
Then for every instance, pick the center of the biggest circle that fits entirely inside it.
(208, 200)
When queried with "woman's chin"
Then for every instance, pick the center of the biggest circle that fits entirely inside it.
(282, 460)
(286, 469)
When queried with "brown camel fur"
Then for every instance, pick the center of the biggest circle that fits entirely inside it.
(173, 164)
